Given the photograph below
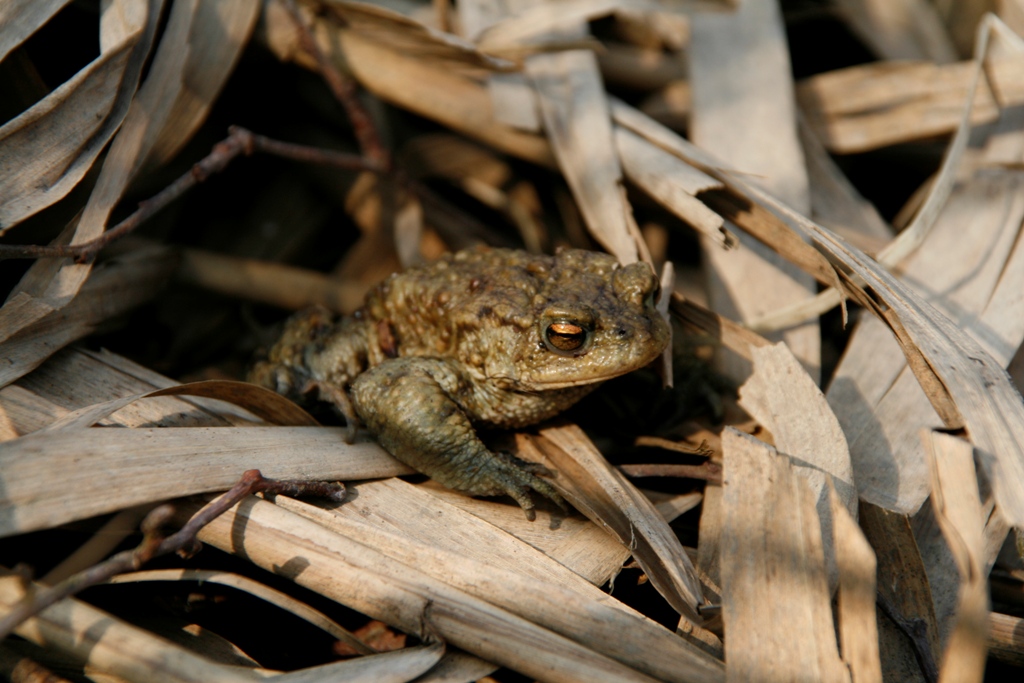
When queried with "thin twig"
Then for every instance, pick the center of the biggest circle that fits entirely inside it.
(239, 141)
(344, 91)
(153, 544)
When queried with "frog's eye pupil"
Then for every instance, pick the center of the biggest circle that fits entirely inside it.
(565, 336)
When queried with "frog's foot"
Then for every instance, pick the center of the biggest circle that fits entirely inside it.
(408, 404)
(503, 473)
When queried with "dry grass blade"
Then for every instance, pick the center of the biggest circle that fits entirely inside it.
(276, 284)
(397, 507)
(113, 289)
(743, 111)
(673, 183)
(607, 498)
(158, 464)
(421, 86)
(275, 597)
(48, 149)
(364, 579)
(409, 37)
(21, 18)
(535, 588)
(904, 593)
(573, 542)
(788, 403)
(216, 34)
(146, 120)
(74, 379)
(855, 607)
(938, 192)
(964, 383)
(263, 403)
(574, 108)
(959, 513)
(872, 106)
(401, 666)
(900, 29)
(112, 646)
(772, 563)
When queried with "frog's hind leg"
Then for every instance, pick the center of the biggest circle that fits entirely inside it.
(407, 403)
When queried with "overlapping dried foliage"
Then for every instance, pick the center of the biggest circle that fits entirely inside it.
(861, 531)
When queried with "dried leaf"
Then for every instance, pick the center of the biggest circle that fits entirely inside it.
(114, 289)
(743, 112)
(19, 19)
(465, 555)
(964, 383)
(365, 579)
(904, 592)
(673, 183)
(422, 86)
(147, 465)
(772, 563)
(406, 36)
(263, 592)
(575, 114)
(855, 613)
(788, 403)
(959, 513)
(398, 666)
(263, 403)
(110, 645)
(47, 150)
(607, 498)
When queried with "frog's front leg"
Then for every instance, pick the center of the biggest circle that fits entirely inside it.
(408, 404)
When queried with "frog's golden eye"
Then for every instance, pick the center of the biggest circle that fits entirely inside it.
(565, 337)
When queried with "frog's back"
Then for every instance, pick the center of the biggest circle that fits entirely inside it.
(464, 306)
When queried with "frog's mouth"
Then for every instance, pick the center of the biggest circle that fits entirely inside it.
(539, 384)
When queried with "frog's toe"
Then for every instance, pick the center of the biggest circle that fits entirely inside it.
(519, 479)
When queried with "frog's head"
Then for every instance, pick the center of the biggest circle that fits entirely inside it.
(593, 320)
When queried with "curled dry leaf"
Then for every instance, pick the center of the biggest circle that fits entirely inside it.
(46, 151)
(163, 112)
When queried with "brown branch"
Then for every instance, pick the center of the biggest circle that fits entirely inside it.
(344, 91)
(239, 141)
(153, 544)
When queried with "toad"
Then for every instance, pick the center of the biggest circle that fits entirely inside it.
(495, 337)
